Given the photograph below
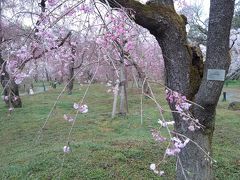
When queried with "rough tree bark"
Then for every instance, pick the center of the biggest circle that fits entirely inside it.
(161, 19)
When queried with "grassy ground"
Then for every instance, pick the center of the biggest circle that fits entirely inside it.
(232, 89)
(102, 148)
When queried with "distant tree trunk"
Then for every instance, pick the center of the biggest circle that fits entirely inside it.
(71, 68)
(61, 73)
(113, 75)
(47, 75)
(44, 87)
(107, 78)
(123, 93)
(89, 75)
(161, 19)
(134, 78)
(70, 77)
(35, 77)
(115, 97)
(142, 79)
(10, 88)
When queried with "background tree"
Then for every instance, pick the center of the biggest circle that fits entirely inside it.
(236, 17)
(10, 88)
(234, 70)
(197, 25)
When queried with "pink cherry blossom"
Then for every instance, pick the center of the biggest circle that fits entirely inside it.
(157, 137)
(68, 118)
(75, 106)
(81, 108)
(10, 109)
(176, 146)
(191, 128)
(5, 98)
(66, 149)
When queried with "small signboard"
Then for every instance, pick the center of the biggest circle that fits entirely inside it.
(216, 75)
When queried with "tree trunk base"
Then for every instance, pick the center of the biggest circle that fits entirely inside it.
(194, 161)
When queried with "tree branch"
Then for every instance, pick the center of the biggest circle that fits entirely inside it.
(45, 51)
(154, 17)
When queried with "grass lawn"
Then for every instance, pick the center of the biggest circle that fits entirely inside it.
(101, 147)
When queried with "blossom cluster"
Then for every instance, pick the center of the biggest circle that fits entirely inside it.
(176, 146)
(175, 141)
(157, 136)
(66, 149)
(117, 30)
(68, 118)
(81, 108)
(182, 106)
(48, 36)
(154, 169)
(112, 88)
(85, 8)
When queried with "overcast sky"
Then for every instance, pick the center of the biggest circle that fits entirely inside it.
(205, 4)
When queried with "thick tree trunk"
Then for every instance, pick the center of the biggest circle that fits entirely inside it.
(207, 96)
(168, 27)
(192, 162)
(195, 162)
